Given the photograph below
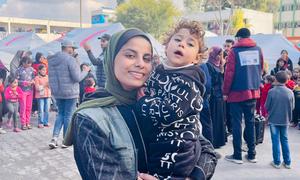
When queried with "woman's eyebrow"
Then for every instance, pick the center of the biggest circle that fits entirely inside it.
(131, 50)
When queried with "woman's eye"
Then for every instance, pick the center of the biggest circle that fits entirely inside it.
(147, 59)
(177, 40)
(130, 56)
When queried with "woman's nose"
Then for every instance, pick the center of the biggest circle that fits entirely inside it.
(140, 62)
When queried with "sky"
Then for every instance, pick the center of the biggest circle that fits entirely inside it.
(65, 10)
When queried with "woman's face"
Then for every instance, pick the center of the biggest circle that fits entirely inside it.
(284, 55)
(133, 63)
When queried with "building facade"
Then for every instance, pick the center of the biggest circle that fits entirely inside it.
(46, 29)
(258, 22)
(288, 18)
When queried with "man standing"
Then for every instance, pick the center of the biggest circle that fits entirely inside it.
(227, 47)
(98, 62)
(64, 78)
(241, 89)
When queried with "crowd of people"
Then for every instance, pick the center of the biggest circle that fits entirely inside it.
(164, 118)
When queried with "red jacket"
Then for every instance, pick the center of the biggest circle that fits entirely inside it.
(290, 84)
(238, 96)
(13, 96)
(264, 93)
(1, 91)
(89, 89)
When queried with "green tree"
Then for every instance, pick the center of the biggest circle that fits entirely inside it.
(152, 16)
(193, 5)
(238, 21)
(120, 1)
(259, 5)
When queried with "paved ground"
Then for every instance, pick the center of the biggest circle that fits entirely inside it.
(25, 156)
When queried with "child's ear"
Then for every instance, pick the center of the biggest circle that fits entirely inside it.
(198, 58)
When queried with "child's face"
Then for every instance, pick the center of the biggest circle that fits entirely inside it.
(43, 71)
(296, 73)
(26, 65)
(280, 63)
(14, 84)
(182, 49)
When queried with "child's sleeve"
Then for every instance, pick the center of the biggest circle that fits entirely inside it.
(1, 87)
(6, 93)
(268, 101)
(183, 98)
(36, 83)
(20, 93)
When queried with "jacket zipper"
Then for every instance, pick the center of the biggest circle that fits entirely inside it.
(145, 150)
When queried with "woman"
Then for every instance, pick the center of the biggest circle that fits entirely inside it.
(215, 66)
(107, 139)
(288, 61)
(280, 66)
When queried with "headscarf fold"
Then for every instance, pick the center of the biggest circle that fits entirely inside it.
(112, 85)
(214, 52)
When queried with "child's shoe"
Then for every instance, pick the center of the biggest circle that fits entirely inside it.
(40, 126)
(17, 130)
(8, 124)
(275, 165)
(23, 127)
(53, 143)
(2, 131)
(47, 125)
(286, 166)
(28, 126)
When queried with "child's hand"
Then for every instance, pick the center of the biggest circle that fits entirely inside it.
(140, 93)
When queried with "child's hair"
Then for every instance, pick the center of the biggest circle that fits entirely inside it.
(83, 64)
(296, 69)
(11, 79)
(195, 28)
(270, 78)
(25, 60)
(41, 66)
(89, 82)
(231, 41)
(282, 77)
(284, 51)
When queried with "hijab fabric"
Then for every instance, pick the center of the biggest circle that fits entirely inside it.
(215, 51)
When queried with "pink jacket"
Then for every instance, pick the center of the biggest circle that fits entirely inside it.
(12, 96)
(42, 89)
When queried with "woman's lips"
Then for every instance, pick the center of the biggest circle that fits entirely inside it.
(137, 75)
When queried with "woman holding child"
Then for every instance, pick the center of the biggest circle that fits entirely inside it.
(108, 142)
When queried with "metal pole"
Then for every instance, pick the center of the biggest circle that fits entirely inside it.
(80, 13)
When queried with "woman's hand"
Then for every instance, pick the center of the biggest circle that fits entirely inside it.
(143, 176)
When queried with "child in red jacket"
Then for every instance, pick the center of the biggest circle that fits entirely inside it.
(269, 79)
(290, 83)
(1, 108)
(13, 94)
(89, 85)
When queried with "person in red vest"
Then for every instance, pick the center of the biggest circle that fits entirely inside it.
(241, 89)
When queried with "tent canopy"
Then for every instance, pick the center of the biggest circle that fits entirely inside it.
(81, 36)
(271, 45)
(20, 41)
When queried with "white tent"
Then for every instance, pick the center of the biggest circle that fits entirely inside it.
(20, 41)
